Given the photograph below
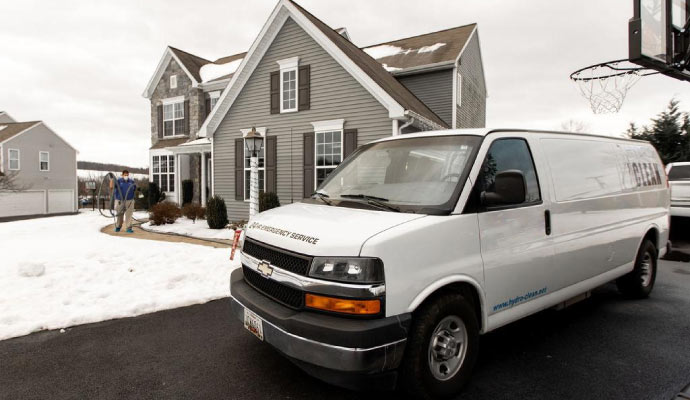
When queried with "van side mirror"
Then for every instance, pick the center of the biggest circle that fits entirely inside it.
(510, 187)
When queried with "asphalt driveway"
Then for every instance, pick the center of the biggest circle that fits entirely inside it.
(605, 347)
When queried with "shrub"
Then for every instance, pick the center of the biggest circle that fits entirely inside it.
(234, 225)
(216, 213)
(155, 195)
(142, 203)
(164, 213)
(193, 211)
(187, 191)
(268, 200)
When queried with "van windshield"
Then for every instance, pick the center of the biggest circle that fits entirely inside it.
(679, 173)
(410, 175)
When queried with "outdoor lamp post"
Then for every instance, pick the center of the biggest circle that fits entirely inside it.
(253, 142)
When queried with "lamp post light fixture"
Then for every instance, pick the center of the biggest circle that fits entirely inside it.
(253, 142)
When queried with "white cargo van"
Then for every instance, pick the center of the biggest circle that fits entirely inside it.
(417, 244)
(679, 178)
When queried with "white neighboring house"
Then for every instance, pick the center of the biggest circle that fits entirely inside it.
(45, 166)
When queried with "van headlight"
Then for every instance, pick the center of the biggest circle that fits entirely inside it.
(348, 269)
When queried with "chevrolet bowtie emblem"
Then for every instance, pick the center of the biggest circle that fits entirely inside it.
(265, 269)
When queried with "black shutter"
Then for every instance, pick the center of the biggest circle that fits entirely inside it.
(349, 142)
(275, 92)
(308, 152)
(186, 117)
(160, 121)
(271, 153)
(304, 81)
(239, 169)
(207, 105)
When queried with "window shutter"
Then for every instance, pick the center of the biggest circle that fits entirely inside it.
(275, 92)
(160, 121)
(208, 107)
(239, 169)
(186, 117)
(350, 142)
(308, 176)
(304, 94)
(271, 153)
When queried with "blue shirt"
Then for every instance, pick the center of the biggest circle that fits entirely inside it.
(127, 188)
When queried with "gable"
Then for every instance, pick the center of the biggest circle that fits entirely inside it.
(162, 89)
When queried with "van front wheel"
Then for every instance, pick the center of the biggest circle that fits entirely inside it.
(639, 282)
(441, 349)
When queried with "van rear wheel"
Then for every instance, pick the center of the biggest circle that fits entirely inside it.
(639, 282)
(441, 350)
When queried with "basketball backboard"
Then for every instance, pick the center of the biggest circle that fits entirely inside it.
(658, 36)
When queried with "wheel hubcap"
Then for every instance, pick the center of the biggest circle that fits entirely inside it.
(646, 269)
(447, 348)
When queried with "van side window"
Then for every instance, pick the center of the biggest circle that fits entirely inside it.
(509, 155)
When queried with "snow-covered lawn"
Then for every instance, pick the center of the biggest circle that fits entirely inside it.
(62, 271)
(198, 229)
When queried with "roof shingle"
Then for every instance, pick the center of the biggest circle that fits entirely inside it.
(12, 129)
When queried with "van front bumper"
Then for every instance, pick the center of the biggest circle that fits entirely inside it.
(349, 352)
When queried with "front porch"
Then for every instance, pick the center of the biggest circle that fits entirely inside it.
(172, 165)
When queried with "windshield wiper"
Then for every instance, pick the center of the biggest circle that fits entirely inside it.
(323, 197)
(373, 200)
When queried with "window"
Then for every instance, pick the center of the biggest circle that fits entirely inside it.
(458, 89)
(213, 97)
(510, 154)
(173, 119)
(13, 159)
(173, 81)
(43, 161)
(288, 84)
(163, 172)
(247, 170)
(329, 153)
(679, 172)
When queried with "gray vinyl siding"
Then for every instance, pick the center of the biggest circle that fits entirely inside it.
(62, 164)
(335, 94)
(435, 89)
(472, 113)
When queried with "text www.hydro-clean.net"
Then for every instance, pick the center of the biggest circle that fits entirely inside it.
(519, 299)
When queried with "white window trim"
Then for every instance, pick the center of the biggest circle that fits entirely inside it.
(316, 155)
(172, 101)
(40, 153)
(458, 89)
(329, 125)
(160, 174)
(244, 154)
(214, 95)
(173, 81)
(287, 65)
(9, 160)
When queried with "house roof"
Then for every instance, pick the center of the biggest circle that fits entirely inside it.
(424, 50)
(163, 143)
(12, 129)
(191, 62)
(375, 70)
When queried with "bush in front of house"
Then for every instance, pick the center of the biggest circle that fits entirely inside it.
(268, 200)
(164, 213)
(187, 191)
(155, 195)
(216, 213)
(193, 211)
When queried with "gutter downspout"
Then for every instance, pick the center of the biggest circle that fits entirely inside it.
(405, 125)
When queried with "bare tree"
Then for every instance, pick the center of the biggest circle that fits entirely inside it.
(573, 125)
(8, 182)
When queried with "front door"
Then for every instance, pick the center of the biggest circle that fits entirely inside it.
(515, 247)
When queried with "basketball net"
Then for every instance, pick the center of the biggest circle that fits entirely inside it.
(605, 85)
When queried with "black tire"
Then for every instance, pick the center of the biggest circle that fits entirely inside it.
(416, 378)
(639, 283)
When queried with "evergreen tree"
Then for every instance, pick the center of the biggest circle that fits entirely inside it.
(668, 133)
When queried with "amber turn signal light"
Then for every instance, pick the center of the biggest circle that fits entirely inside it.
(346, 306)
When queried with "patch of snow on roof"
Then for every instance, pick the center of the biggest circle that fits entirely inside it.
(197, 142)
(3, 127)
(385, 50)
(212, 71)
(391, 69)
(429, 49)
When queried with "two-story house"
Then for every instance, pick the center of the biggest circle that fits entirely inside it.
(314, 96)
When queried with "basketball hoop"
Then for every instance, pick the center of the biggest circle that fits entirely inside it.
(605, 85)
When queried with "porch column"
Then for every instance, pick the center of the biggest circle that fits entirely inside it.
(203, 179)
(178, 181)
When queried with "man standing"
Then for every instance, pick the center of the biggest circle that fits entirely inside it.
(124, 201)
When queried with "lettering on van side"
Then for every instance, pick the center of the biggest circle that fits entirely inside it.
(519, 299)
(284, 233)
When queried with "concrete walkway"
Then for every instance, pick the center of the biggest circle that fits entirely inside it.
(142, 234)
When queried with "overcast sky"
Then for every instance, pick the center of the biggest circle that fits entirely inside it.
(81, 66)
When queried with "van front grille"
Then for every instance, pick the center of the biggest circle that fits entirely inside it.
(286, 295)
(283, 259)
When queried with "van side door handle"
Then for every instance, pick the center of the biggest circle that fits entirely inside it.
(547, 222)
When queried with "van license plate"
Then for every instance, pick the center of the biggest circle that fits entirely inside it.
(253, 323)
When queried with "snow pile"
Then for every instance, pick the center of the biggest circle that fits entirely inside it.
(213, 71)
(98, 175)
(61, 271)
(187, 227)
(432, 48)
(391, 69)
(384, 50)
